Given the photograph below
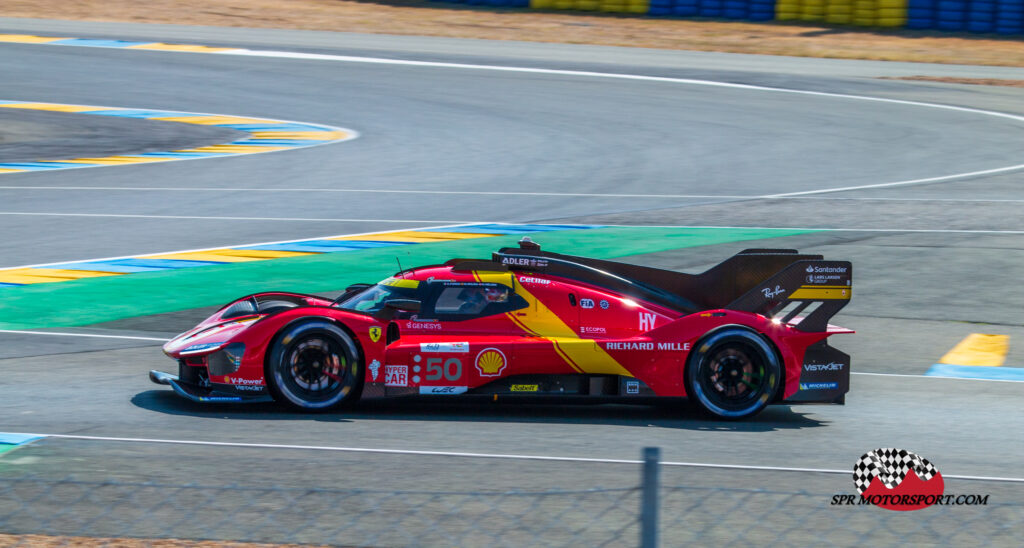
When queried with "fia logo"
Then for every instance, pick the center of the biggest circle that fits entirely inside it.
(647, 321)
(586, 303)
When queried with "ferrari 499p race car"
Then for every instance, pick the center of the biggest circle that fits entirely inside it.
(748, 332)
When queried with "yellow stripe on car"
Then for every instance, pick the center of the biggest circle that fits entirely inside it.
(823, 292)
(583, 355)
(401, 282)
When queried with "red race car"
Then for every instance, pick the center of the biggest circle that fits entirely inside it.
(748, 332)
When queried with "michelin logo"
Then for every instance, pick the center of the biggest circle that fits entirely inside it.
(818, 385)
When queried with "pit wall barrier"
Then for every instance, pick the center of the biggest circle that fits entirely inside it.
(981, 16)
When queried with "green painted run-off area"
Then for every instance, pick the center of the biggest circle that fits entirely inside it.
(94, 300)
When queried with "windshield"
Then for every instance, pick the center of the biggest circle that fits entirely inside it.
(372, 299)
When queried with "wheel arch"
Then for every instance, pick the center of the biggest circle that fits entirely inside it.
(695, 355)
(309, 319)
(296, 322)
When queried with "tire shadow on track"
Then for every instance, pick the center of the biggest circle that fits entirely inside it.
(674, 414)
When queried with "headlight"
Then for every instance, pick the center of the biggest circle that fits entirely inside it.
(203, 347)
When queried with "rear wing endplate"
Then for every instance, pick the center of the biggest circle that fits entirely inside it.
(805, 294)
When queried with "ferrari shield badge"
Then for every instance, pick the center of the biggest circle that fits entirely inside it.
(375, 333)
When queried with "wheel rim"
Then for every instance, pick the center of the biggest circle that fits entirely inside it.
(735, 378)
(316, 369)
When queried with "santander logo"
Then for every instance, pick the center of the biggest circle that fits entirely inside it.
(896, 479)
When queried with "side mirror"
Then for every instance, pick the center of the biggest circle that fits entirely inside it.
(351, 291)
(406, 305)
(393, 306)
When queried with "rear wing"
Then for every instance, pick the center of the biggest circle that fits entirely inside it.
(807, 293)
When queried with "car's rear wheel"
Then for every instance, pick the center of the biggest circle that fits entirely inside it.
(733, 373)
(314, 366)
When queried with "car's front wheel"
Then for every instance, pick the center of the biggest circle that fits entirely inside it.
(733, 373)
(314, 366)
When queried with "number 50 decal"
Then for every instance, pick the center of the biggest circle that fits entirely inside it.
(450, 369)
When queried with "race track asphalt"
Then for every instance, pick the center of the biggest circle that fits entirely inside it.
(935, 261)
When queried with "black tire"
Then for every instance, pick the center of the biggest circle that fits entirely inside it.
(314, 366)
(732, 374)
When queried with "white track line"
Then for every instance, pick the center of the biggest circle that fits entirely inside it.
(81, 335)
(286, 219)
(903, 183)
(486, 455)
(687, 81)
(662, 79)
(502, 193)
(380, 191)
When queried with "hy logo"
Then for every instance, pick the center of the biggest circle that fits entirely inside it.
(897, 472)
(647, 321)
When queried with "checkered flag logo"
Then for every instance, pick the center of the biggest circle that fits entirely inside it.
(892, 465)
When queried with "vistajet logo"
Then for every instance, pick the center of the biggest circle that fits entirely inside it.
(831, 366)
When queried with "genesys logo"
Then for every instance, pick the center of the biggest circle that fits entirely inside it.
(900, 480)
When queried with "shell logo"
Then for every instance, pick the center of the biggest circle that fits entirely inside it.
(490, 362)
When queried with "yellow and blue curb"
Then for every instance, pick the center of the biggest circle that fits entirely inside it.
(263, 135)
(978, 356)
(11, 441)
(62, 272)
(102, 43)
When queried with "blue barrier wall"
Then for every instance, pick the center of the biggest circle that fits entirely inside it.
(978, 16)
